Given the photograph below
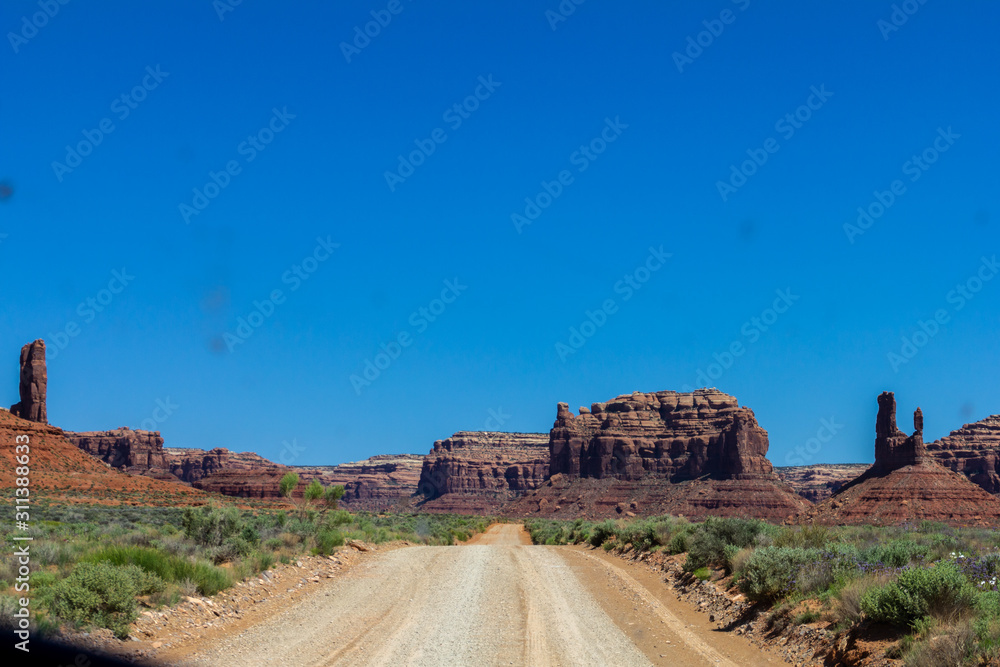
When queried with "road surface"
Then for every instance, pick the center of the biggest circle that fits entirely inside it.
(494, 601)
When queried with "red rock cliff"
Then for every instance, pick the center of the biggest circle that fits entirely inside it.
(974, 451)
(678, 436)
(485, 463)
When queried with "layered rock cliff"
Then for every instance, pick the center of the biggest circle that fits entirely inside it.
(135, 451)
(192, 465)
(677, 436)
(379, 482)
(974, 451)
(905, 484)
(33, 384)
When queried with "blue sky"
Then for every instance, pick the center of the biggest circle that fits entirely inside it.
(619, 147)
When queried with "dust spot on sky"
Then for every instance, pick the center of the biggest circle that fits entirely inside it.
(216, 345)
(968, 410)
(747, 231)
(6, 190)
(215, 300)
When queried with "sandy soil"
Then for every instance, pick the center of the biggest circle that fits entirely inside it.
(494, 601)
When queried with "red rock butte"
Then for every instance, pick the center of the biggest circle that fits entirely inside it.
(693, 454)
(905, 484)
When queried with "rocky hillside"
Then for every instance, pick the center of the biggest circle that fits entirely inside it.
(905, 484)
(62, 472)
(379, 482)
(818, 482)
(692, 454)
(974, 451)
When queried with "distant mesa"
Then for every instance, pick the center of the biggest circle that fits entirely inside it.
(694, 454)
(905, 484)
(33, 385)
(478, 471)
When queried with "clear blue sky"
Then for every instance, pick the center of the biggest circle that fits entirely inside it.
(671, 130)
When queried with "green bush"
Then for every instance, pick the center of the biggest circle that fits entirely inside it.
(917, 593)
(770, 572)
(679, 542)
(102, 594)
(702, 573)
(328, 540)
(897, 553)
(209, 579)
(602, 532)
(707, 546)
(211, 525)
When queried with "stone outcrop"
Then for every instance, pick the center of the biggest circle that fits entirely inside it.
(818, 482)
(379, 482)
(692, 454)
(974, 451)
(482, 462)
(677, 436)
(193, 465)
(33, 384)
(905, 485)
(893, 448)
(123, 448)
(65, 474)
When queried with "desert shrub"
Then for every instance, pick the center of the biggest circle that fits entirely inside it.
(804, 537)
(328, 540)
(897, 553)
(274, 543)
(339, 518)
(949, 645)
(770, 572)
(679, 542)
(707, 545)
(702, 573)
(209, 579)
(602, 532)
(102, 594)
(918, 592)
(211, 525)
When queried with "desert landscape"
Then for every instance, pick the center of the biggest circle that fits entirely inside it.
(632, 533)
(458, 334)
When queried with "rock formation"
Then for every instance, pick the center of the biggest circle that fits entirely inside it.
(379, 482)
(677, 436)
(193, 465)
(134, 451)
(693, 454)
(64, 474)
(818, 482)
(32, 388)
(904, 485)
(472, 471)
(974, 451)
(893, 448)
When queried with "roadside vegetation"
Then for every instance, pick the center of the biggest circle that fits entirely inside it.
(98, 566)
(936, 584)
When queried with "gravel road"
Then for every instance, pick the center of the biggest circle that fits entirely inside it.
(494, 601)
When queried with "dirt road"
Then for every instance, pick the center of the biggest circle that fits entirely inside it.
(495, 601)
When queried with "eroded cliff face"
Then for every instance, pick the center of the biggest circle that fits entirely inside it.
(905, 484)
(123, 448)
(192, 465)
(678, 436)
(974, 451)
(33, 384)
(485, 463)
(379, 482)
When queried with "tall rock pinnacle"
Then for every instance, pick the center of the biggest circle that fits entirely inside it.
(34, 379)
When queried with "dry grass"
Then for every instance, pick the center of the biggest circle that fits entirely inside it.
(847, 604)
